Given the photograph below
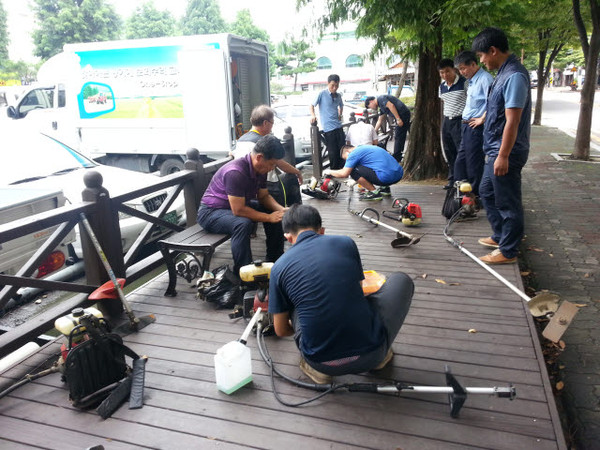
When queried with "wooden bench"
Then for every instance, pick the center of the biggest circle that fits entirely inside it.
(190, 241)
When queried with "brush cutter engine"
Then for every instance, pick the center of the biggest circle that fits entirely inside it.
(410, 213)
(460, 198)
(325, 189)
(255, 278)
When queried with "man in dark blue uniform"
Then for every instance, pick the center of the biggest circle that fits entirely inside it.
(393, 107)
(506, 145)
(337, 329)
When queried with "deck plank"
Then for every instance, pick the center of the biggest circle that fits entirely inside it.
(183, 408)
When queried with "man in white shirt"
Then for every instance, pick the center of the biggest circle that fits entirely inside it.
(361, 133)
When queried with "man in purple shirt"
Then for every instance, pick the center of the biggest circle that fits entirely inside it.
(237, 196)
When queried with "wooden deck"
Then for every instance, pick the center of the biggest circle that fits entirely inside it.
(183, 409)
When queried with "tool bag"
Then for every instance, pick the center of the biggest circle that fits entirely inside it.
(223, 290)
(94, 367)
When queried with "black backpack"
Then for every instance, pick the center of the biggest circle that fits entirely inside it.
(96, 366)
(451, 203)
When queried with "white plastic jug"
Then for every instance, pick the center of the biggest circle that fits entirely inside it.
(233, 367)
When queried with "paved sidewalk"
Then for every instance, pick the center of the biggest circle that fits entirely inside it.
(562, 248)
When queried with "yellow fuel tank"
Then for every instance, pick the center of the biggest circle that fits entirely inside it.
(257, 271)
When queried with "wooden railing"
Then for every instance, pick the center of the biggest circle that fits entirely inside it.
(102, 211)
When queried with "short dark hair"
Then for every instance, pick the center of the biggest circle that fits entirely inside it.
(261, 113)
(490, 37)
(300, 217)
(467, 58)
(333, 77)
(270, 147)
(368, 100)
(446, 62)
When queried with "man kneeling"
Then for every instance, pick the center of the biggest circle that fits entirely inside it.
(315, 294)
(369, 165)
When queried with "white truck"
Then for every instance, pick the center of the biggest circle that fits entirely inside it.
(140, 104)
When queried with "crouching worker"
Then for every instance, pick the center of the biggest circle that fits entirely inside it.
(369, 165)
(237, 197)
(320, 301)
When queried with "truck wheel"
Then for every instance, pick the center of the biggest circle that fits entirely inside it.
(170, 166)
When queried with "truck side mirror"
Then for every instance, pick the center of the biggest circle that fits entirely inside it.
(12, 112)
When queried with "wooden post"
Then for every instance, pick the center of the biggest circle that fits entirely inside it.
(194, 189)
(317, 158)
(105, 223)
(288, 145)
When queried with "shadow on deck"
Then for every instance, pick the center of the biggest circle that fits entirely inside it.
(183, 408)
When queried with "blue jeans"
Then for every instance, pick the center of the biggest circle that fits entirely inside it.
(501, 197)
(392, 303)
(224, 221)
(470, 158)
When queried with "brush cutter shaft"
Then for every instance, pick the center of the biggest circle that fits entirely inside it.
(499, 391)
(507, 283)
(377, 222)
(106, 265)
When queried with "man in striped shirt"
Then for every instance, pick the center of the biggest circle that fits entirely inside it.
(453, 92)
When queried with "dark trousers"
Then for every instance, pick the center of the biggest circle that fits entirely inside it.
(334, 141)
(501, 197)
(470, 157)
(370, 175)
(216, 220)
(400, 138)
(451, 140)
(392, 303)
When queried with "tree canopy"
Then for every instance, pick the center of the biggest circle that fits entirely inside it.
(3, 35)
(293, 56)
(245, 27)
(202, 17)
(148, 22)
(61, 22)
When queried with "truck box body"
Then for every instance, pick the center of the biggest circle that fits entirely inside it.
(140, 104)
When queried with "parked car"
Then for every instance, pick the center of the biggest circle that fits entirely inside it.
(297, 115)
(36, 161)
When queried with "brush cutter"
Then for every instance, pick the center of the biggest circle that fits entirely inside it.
(135, 323)
(457, 394)
(403, 239)
(410, 213)
(544, 304)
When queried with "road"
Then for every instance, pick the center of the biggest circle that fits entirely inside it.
(561, 110)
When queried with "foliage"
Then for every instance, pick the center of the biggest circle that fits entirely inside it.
(19, 70)
(148, 22)
(202, 17)
(62, 22)
(4, 40)
(293, 57)
(245, 27)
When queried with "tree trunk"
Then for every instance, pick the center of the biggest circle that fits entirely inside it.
(584, 126)
(423, 159)
(402, 78)
(541, 84)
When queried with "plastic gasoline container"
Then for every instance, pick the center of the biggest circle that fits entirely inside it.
(233, 367)
(372, 282)
(66, 323)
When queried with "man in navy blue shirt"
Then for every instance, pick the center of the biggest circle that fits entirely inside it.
(506, 145)
(392, 107)
(337, 329)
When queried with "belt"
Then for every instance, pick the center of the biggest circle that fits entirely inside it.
(453, 117)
